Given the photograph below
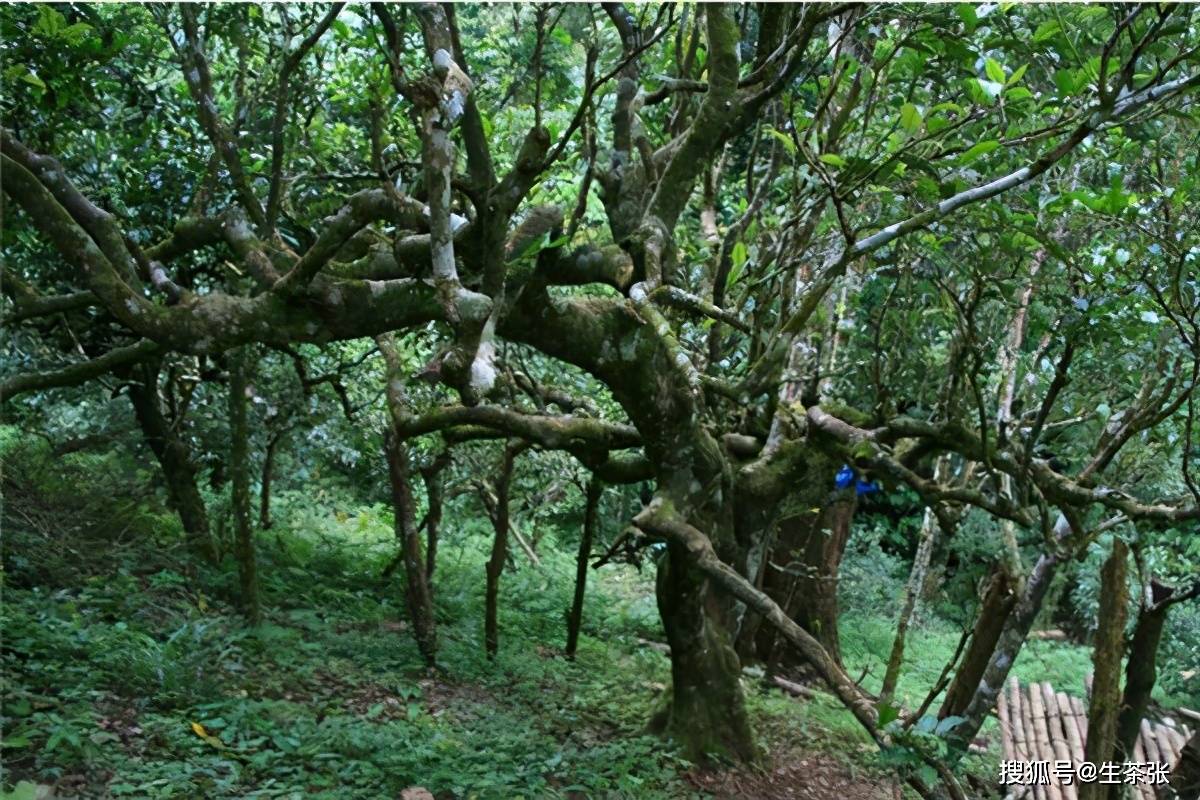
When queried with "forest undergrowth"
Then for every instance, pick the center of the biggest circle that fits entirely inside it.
(129, 673)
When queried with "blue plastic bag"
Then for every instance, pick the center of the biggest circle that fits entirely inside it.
(844, 477)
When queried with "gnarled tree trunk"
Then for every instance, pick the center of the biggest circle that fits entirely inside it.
(705, 711)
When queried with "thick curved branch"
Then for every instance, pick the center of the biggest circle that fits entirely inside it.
(678, 298)
(214, 322)
(190, 233)
(1058, 489)
(552, 432)
(360, 210)
(609, 265)
(703, 135)
(96, 222)
(31, 308)
(75, 374)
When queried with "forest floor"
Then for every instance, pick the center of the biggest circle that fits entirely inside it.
(127, 673)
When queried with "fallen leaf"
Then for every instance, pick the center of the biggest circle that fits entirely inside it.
(200, 731)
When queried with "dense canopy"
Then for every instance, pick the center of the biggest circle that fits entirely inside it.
(781, 265)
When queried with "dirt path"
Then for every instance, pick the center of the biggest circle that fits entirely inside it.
(796, 776)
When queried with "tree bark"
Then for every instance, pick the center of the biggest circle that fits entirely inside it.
(802, 573)
(416, 592)
(174, 458)
(705, 711)
(264, 495)
(997, 604)
(1104, 708)
(1185, 777)
(1012, 638)
(1141, 670)
(590, 518)
(496, 501)
(239, 472)
(432, 478)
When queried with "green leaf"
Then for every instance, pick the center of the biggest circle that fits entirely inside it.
(833, 159)
(888, 713)
(966, 12)
(910, 118)
(1046, 30)
(993, 70)
(32, 79)
(980, 149)
(25, 790)
(738, 257)
(739, 254)
(1066, 82)
(983, 92)
(49, 23)
(1017, 75)
(783, 139)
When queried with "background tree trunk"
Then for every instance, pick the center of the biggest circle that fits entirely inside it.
(1141, 673)
(998, 601)
(802, 574)
(1106, 661)
(264, 494)
(496, 500)
(416, 592)
(174, 458)
(912, 590)
(432, 478)
(239, 471)
(590, 517)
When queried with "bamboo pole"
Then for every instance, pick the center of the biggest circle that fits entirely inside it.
(1041, 728)
(1143, 791)
(1031, 747)
(1081, 717)
(1006, 734)
(1149, 742)
(1017, 715)
(1058, 737)
(1177, 740)
(1071, 724)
